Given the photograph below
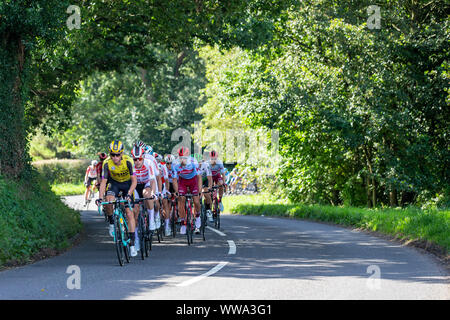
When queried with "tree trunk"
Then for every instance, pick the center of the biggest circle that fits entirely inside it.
(13, 144)
(369, 201)
(178, 63)
(393, 198)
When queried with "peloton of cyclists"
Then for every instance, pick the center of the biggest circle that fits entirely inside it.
(146, 174)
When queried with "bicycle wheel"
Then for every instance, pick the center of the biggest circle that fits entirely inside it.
(188, 223)
(173, 220)
(118, 241)
(203, 220)
(161, 227)
(126, 239)
(146, 231)
(218, 218)
(141, 234)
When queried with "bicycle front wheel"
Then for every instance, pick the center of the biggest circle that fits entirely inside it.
(118, 241)
(141, 234)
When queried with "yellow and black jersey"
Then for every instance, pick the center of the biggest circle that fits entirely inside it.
(119, 173)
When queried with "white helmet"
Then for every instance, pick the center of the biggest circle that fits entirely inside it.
(94, 163)
(169, 158)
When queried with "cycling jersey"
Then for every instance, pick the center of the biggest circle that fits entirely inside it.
(152, 159)
(91, 172)
(118, 173)
(99, 168)
(217, 168)
(189, 171)
(145, 173)
(205, 169)
(170, 173)
(164, 172)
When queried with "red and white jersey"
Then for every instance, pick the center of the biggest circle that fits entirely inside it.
(91, 172)
(163, 171)
(153, 161)
(145, 173)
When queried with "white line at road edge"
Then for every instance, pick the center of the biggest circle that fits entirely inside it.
(222, 264)
(217, 231)
(206, 274)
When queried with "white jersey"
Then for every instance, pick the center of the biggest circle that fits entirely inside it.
(205, 169)
(145, 173)
(152, 159)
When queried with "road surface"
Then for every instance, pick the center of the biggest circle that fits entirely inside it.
(251, 258)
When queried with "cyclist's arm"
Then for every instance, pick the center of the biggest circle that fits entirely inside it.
(133, 185)
(86, 176)
(105, 175)
(210, 182)
(133, 178)
(153, 186)
(102, 189)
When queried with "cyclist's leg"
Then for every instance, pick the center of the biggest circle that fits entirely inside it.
(88, 189)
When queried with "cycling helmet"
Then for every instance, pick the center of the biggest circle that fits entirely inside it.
(169, 158)
(158, 157)
(116, 147)
(94, 163)
(148, 149)
(137, 152)
(213, 154)
(183, 152)
(139, 143)
(102, 155)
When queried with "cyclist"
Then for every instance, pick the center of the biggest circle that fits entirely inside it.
(118, 173)
(89, 177)
(206, 175)
(148, 154)
(102, 156)
(218, 174)
(151, 204)
(146, 185)
(165, 191)
(169, 161)
(187, 176)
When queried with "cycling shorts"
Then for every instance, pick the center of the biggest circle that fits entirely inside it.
(115, 187)
(217, 179)
(140, 188)
(184, 184)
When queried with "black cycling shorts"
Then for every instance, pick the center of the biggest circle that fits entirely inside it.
(171, 188)
(140, 189)
(115, 187)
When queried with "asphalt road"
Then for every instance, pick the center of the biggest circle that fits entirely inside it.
(253, 258)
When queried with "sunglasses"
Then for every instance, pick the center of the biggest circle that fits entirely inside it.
(115, 155)
(136, 159)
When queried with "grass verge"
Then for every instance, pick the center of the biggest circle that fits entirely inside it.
(35, 222)
(68, 189)
(429, 229)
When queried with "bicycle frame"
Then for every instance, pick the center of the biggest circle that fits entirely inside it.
(118, 214)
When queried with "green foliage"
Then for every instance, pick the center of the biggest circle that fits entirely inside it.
(363, 114)
(137, 104)
(33, 218)
(68, 189)
(407, 224)
(62, 170)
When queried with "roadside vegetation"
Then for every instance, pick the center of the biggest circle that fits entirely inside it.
(430, 227)
(33, 220)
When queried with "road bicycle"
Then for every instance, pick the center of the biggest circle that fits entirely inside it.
(144, 234)
(121, 239)
(173, 214)
(216, 209)
(160, 230)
